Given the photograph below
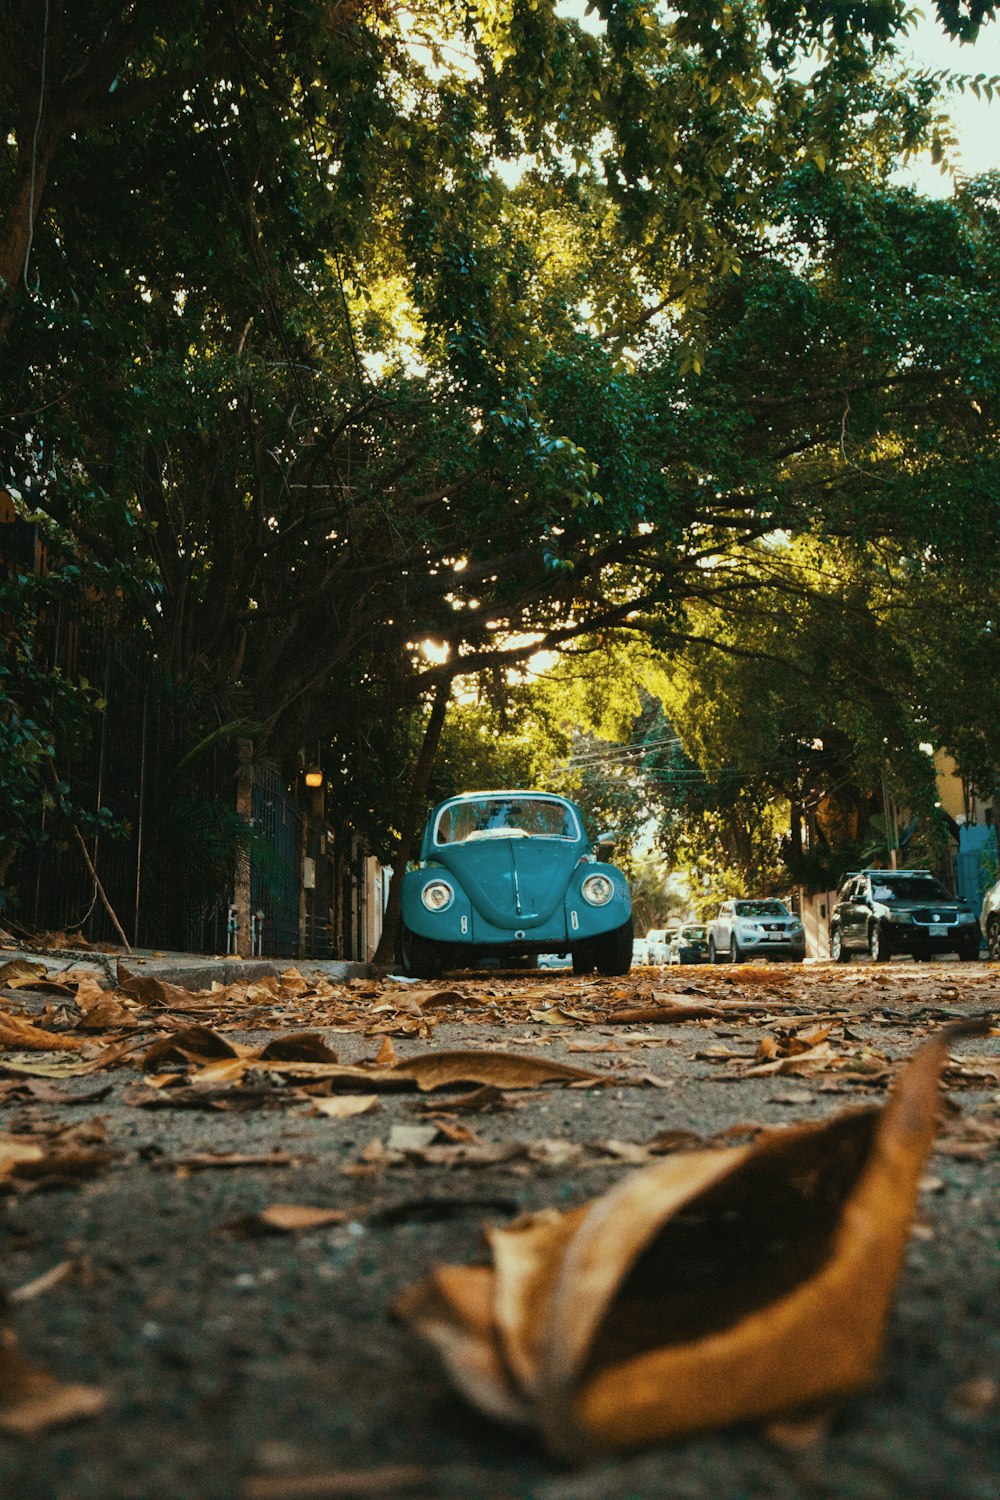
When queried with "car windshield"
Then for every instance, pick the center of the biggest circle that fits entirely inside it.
(760, 909)
(505, 817)
(908, 888)
(692, 933)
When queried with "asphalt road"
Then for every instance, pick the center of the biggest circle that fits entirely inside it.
(238, 1366)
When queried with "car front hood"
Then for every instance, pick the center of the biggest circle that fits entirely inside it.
(516, 883)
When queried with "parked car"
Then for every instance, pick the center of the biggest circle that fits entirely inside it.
(640, 951)
(688, 945)
(751, 927)
(883, 912)
(656, 945)
(989, 921)
(507, 875)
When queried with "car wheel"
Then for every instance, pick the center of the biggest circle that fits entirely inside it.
(614, 950)
(583, 959)
(422, 958)
(735, 951)
(838, 952)
(969, 953)
(713, 957)
(877, 945)
(993, 938)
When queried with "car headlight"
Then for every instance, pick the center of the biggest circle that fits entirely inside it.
(437, 896)
(899, 916)
(597, 889)
(966, 916)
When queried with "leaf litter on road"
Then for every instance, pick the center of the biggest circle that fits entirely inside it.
(204, 1050)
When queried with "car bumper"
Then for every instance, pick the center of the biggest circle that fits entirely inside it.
(768, 947)
(909, 937)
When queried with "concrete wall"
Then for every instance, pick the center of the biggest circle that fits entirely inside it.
(815, 913)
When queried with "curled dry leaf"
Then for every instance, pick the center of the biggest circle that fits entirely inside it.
(437, 1070)
(302, 1046)
(193, 1044)
(714, 1287)
(662, 1015)
(284, 1218)
(17, 1033)
(61, 1067)
(342, 1106)
(27, 1159)
(21, 973)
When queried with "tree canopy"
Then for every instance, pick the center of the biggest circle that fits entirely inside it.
(334, 328)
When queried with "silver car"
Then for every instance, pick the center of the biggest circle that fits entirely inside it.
(755, 929)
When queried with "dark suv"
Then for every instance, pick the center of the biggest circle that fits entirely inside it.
(883, 912)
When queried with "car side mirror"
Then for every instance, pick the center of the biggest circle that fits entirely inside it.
(604, 845)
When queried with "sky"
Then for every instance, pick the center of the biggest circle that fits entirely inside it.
(977, 122)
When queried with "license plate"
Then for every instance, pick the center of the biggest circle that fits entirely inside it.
(938, 929)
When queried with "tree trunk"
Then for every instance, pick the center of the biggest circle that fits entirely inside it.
(17, 226)
(241, 877)
(386, 952)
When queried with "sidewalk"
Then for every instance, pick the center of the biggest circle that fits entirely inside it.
(193, 971)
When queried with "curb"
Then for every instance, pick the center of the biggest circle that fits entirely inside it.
(194, 973)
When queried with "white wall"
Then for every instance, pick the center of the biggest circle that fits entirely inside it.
(815, 913)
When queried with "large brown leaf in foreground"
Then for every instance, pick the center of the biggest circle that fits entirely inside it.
(718, 1286)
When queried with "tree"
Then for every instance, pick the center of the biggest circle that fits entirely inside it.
(46, 716)
(292, 355)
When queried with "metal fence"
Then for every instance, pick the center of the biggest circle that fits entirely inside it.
(168, 871)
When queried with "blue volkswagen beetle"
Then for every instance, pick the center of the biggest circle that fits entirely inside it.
(510, 875)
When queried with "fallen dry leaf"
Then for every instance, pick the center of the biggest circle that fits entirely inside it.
(21, 1035)
(739, 1284)
(437, 1070)
(387, 1055)
(193, 1044)
(32, 1401)
(44, 1283)
(204, 1161)
(21, 973)
(343, 1106)
(662, 1015)
(284, 1218)
(28, 1159)
(333, 1484)
(61, 1067)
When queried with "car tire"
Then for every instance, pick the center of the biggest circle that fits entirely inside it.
(735, 951)
(583, 959)
(838, 952)
(614, 949)
(422, 958)
(969, 953)
(877, 945)
(713, 956)
(993, 937)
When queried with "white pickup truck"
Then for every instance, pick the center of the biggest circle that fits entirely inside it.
(755, 928)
